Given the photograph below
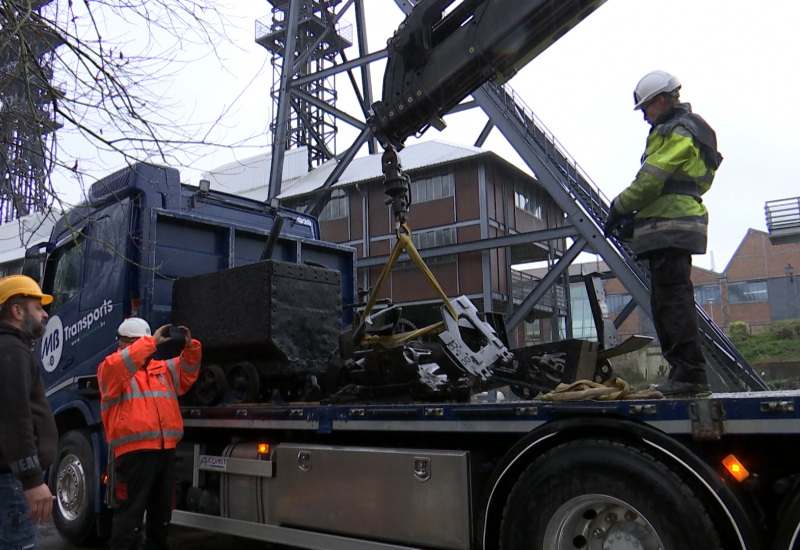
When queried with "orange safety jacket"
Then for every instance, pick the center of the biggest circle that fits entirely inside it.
(139, 399)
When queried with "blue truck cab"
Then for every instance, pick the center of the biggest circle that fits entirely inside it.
(118, 255)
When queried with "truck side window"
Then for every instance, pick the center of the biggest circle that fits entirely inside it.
(66, 273)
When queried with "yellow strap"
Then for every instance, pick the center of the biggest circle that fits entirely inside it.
(404, 243)
(403, 336)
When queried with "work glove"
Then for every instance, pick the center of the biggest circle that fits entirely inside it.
(613, 220)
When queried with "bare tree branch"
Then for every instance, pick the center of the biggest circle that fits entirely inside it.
(99, 70)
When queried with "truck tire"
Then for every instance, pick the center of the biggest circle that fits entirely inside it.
(72, 482)
(787, 537)
(210, 386)
(605, 494)
(243, 383)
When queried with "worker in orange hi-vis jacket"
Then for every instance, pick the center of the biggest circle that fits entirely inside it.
(143, 424)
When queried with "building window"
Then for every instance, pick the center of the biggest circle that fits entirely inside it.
(526, 198)
(429, 239)
(708, 295)
(582, 318)
(337, 207)
(432, 187)
(747, 291)
(533, 332)
(616, 302)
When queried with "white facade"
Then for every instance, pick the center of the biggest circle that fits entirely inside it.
(18, 235)
(250, 177)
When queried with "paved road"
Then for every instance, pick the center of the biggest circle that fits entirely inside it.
(181, 538)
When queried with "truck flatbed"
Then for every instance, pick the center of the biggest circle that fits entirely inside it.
(773, 412)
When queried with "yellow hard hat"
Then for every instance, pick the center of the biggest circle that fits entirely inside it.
(21, 284)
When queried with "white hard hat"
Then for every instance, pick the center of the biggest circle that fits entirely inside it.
(133, 327)
(652, 84)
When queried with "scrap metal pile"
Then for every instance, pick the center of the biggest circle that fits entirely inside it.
(270, 333)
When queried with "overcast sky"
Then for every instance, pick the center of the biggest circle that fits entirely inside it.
(736, 60)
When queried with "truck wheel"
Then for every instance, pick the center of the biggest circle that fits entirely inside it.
(209, 388)
(243, 383)
(72, 481)
(787, 536)
(598, 494)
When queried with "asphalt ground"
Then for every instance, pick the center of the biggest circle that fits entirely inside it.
(181, 538)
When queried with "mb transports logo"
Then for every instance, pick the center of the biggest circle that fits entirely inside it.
(52, 343)
(57, 335)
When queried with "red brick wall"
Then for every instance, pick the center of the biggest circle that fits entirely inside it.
(757, 258)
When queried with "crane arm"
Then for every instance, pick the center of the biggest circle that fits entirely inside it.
(437, 57)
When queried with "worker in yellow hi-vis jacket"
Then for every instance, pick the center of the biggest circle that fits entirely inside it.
(670, 222)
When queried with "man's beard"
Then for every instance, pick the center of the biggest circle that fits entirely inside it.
(35, 329)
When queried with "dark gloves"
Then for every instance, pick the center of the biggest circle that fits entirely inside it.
(613, 220)
(618, 225)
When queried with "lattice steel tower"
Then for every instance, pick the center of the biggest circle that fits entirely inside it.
(318, 39)
(27, 47)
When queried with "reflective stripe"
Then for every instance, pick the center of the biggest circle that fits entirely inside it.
(655, 171)
(691, 242)
(679, 224)
(135, 388)
(688, 233)
(167, 434)
(187, 367)
(135, 437)
(677, 187)
(128, 361)
(173, 369)
(166, 385)
(129, 396)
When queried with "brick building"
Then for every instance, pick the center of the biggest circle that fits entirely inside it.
(464, 196)
(758, 286)
(461, 196)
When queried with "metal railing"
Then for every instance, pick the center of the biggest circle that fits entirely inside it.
(523, 284)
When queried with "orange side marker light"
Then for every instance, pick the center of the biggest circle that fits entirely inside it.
(736, 468)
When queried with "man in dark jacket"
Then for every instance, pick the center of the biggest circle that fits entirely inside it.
(28, 434)
(670, 222)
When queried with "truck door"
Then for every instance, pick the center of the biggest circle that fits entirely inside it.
(87, 275)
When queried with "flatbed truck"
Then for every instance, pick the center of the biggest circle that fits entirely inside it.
(292, 460)
(371, 473)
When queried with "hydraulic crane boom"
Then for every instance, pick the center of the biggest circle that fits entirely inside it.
(436, 59)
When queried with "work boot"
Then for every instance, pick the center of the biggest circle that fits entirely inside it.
(672, 388)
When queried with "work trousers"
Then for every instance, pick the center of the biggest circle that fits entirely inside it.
(145, 483)
(17, 531)
(675, 315)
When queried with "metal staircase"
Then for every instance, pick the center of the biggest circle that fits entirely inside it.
(586, 208)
